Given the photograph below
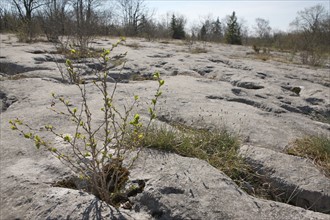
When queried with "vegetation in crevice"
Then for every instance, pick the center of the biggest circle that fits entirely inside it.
(316, 148)
(220, 149)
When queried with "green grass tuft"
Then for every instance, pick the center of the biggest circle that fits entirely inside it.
(315, 148)
(219, 148)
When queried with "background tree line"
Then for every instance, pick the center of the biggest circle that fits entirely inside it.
(84, 19)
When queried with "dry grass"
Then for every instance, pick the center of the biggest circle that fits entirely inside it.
(17, 77)
(133, 45)
(263, 56)
(315, 148)
(220, 149)
(198, 50)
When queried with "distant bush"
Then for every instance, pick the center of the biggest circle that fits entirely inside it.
(312, 57)
(255, 48)
(197, 50)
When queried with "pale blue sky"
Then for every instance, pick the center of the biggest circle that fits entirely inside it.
(279, 13)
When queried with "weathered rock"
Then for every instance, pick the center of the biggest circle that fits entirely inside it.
(298, 179)
(6, 101)
(239, 92)
(264, 113)
(186, 188)
(314, 101)
(176, 188)
(270, 117)
(248, 85)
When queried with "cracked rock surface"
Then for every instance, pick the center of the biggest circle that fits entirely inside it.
(224, 87)
(296, 178)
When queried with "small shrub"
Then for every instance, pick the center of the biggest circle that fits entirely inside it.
(311, 57)
(256, 49)
(263, 57)
(197, 50)
(190, 41)
(73, 55)
(265, 50)
(97, 161)
(292, 55)
(315, 148)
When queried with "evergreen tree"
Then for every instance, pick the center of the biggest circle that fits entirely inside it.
(173, 25)
(216, 29)
(210, 30)
(146, 28)
(233, 33)
(144, 25)
(177, 27)
(203, 33)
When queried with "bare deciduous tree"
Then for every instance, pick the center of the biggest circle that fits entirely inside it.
(310, 19)
(262, 28)
(211, 29)
(132, 12)
(25, 9)
(86, 20)
(309, 23)
(54, 18)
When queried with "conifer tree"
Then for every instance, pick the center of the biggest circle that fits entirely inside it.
(203, 33)
(216, 28)
(177, 27)
(233, 33)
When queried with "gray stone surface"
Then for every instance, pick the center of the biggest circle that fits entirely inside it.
(297, 178)
(265, 102)
(201, 90)
(176, 188)
(185, 188)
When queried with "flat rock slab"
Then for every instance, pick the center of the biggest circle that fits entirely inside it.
(176, 188)
(222, 88)
(296, 177)
(187, 188)
(26, 193)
